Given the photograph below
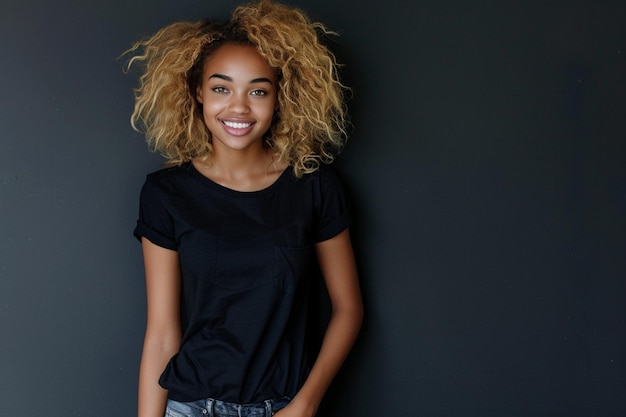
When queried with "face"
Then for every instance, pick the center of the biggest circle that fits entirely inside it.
(238, 96)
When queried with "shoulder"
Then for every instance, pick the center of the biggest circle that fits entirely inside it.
(170, 176)
(165, 182)
(170, 173)
(325, 177)
(323, 174)
(326, 172)
(315, 183)
(324, 185)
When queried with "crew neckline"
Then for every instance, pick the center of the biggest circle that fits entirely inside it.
(203, 178)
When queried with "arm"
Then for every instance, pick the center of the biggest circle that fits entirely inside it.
(337, 264)
(163, 332)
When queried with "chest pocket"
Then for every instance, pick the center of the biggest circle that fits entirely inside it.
(291, 266)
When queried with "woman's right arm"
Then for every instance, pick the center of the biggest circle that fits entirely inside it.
(163, 331)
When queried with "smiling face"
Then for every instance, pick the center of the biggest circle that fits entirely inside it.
(238, 97)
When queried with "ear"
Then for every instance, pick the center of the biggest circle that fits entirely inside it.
(199, 94)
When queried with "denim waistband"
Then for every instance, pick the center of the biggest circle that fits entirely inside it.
(216, 408)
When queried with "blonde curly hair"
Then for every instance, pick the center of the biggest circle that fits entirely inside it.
(309, 126)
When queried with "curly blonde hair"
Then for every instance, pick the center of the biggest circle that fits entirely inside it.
(309, 127)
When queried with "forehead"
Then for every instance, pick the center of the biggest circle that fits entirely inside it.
(240, 62)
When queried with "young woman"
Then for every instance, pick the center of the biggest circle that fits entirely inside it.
(248, 113)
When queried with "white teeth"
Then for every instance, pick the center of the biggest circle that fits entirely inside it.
(235, 125)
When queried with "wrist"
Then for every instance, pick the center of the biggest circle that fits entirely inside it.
(305, 408)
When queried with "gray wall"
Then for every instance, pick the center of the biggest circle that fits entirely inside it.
(487, 169)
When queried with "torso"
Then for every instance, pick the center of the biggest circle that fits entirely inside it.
(245, 262)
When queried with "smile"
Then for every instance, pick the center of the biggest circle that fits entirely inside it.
(236, 125)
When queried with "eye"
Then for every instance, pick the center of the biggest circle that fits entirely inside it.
(259, 93)
(220, 90)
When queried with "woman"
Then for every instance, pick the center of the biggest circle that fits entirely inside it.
(248, 113)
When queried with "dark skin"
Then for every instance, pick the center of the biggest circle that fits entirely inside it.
(238, 96)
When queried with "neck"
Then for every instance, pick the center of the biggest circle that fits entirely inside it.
(242, 171)
(238, 164)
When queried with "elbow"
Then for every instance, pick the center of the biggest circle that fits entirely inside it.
(165, 340)
(161, 348)
(353, 315)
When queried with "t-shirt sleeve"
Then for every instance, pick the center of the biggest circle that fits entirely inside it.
(334, 212)
(154, 222)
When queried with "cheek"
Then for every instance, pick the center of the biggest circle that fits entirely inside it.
(270, 111)
(211, 107)
(270, 108)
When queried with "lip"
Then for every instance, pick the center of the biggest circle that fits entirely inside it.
(237, 127)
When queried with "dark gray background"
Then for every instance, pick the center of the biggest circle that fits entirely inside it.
(487, 171)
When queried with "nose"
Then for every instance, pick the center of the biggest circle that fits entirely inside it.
(239, 103)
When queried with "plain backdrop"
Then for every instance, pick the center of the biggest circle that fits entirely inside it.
(486, 168)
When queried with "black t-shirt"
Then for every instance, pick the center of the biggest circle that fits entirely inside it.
(245, 260)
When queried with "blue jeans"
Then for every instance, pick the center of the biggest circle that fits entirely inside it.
(216, 408)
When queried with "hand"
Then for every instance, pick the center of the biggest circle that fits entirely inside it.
(294, 410)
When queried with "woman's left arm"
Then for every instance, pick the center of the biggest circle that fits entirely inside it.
(337, 264)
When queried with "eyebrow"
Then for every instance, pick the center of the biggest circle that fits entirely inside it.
(230, 79)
